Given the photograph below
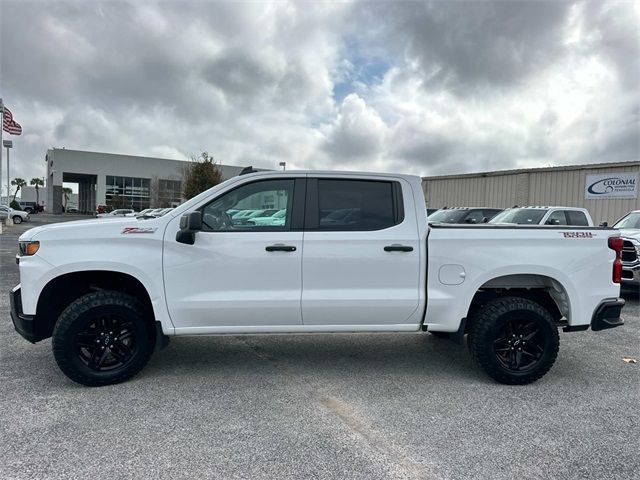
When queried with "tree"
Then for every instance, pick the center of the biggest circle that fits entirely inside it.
(37, 182)
(18, 182)
(201, 174)
(66, 191)
(154, 192)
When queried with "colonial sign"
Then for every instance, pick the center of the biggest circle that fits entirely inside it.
(611, 185)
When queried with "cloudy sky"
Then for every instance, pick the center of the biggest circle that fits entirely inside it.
(416, 87)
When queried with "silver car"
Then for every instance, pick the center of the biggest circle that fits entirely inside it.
(18, 216)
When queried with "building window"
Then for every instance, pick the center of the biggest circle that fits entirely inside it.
(127, 192)
(169, 193)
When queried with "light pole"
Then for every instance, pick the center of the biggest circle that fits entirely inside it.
(8, 144)
(283, 165)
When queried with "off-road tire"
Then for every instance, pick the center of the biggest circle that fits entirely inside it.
(17, 219)
(491, 322)
(85, 310)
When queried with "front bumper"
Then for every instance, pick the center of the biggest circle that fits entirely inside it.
(607, 315)
(25, 325)
(631, 273)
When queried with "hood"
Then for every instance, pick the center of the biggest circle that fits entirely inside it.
(630, 233)
(93, 228)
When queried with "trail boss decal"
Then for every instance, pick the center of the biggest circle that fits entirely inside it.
(127, 230)
(577, 234)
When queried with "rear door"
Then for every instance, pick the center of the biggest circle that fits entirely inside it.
(361, 254)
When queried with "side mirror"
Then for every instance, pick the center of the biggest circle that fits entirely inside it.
(555, 221)
(485, 219)
(471, 220)
(604, 224)
(190, 223)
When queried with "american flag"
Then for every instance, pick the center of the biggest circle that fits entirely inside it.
(9, 125)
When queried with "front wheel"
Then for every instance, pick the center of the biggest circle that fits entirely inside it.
(103, 338)
(514, 340)
(17, 220)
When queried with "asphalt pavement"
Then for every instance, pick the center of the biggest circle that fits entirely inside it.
(377, 406)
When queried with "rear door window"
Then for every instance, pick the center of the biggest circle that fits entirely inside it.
(355, 205)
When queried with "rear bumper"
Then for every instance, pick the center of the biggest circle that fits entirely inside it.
(607, 315)
(24, 324)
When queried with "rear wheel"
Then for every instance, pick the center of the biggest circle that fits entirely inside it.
(17, 219)
(514, 340)
(103, 338)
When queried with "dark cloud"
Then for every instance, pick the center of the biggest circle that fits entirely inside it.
(464, 45)
(421, 87)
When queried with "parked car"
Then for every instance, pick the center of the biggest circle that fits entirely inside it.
(629, 227)
(162, 211)
(120, 212)
(18, 216)
(100, 209)
(578, 217)
(109, 301)
(275, 220)
(242, 213)
(252, 214)
(464, 215)
(144, 212)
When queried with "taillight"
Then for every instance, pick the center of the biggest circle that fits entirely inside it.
(615, 244)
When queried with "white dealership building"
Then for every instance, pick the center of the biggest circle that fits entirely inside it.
(607, 190)
(125, 181)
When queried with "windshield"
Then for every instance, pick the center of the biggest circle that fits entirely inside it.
(447, 216)
(519, 216)
(630, 221)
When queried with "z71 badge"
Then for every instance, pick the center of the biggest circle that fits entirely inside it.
(126, 230)
(577, 234)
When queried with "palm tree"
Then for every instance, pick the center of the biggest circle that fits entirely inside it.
(66, 191)
(18, 182)
(37, 182)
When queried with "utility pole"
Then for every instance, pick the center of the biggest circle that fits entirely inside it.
(1, 129)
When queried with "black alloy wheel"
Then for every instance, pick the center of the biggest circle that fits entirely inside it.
(520, 344)
(106, 343)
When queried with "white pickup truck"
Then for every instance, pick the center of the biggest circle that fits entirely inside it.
(108, 292)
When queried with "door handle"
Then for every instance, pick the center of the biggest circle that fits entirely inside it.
(398, 248)
(280, 248)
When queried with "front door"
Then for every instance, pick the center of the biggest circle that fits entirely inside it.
(244, 269)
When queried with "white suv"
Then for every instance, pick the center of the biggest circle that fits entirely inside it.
(577, 217)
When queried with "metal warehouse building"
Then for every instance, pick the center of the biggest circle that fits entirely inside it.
(101, 177)
(607, 190)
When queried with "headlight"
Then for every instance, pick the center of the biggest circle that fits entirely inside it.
(28, 248)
